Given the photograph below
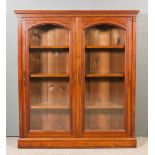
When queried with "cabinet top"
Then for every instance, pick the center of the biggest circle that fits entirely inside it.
(27, 13)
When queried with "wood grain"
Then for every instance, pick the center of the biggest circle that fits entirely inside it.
(49, 106)
(45, 75)
(65, 106)
(106, 75)
(77, 143)
(75, 13)
(48, 47)
(104, 47)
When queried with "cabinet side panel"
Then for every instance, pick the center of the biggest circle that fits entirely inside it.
(133, 84)
(20, 78)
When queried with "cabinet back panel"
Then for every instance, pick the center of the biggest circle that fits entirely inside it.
(51, 120)
(49, 60)
(104, 94)
(106, 97)
(104, 60)
(104, 120)
(48, 35)
(48, 97)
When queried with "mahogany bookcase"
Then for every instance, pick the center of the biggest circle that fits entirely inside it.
(76, 73)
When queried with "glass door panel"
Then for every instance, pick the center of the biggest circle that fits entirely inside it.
(104, 78)
(49, 78)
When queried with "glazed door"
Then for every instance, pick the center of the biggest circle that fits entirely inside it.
(48, 77)
(106, 99)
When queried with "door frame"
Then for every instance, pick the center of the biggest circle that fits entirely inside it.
(126, 24)
(23, 76)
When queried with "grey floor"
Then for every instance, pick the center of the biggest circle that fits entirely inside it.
(141, 149)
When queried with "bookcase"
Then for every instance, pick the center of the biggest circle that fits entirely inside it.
(77, 75)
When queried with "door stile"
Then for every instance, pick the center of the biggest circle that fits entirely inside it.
(133, 76)
(80, 77)
(128, 78)
(25, 81)
(20, 79)
(73, 79)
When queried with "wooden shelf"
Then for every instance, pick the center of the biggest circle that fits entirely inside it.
(49, 106)
(46, 75)
(104, 75)
(39, 75)
(106, 105)
(97, 106)
(48, 47)
(105, 47)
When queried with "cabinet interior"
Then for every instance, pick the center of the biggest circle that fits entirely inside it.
(104, 77)
(49, 78)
